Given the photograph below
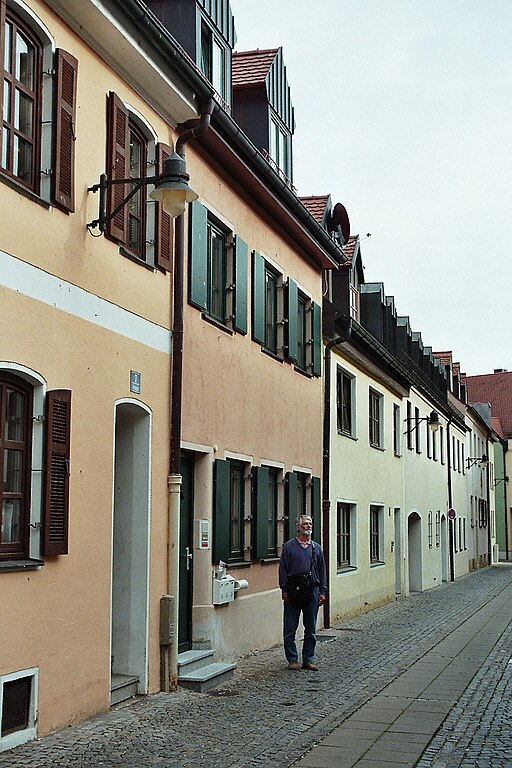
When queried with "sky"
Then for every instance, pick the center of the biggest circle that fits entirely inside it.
(403, 113)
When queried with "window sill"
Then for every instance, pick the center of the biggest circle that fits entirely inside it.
(268, 560)
(377, 447)
(136, 259)
(240, 564)
(303, 372)
(217, 323)
(377, 564)
(20, 565)
(271, 354)
(17, 187)
(346, 569)
(347, 434)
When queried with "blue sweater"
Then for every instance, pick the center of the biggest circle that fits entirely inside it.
(297, 560)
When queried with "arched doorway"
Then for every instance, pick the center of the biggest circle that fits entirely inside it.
(415, 553)
(444, 548)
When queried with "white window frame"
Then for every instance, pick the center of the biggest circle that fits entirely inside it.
(26, 734)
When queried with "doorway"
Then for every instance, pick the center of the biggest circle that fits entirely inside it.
(398, 552)
(130, 545)
(186, 580)
(414, 548)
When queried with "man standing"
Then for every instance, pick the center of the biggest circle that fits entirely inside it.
(302, 556)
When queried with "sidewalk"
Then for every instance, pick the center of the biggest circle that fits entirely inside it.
(388, 681)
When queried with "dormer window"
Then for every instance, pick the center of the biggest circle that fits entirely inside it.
(213, 60)
(279, 147)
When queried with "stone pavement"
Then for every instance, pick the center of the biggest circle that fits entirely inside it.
(425, 681)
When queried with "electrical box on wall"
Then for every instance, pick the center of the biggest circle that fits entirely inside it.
(167, 620)
(223, 590)
(203, 534)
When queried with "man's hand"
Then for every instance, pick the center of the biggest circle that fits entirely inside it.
(284, 595)
(321, 599)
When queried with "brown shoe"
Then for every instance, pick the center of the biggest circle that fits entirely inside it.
(293, 665)
(310, 665)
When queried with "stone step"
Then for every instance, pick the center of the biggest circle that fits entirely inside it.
(123, 687)
(207, 677)
(188, 661)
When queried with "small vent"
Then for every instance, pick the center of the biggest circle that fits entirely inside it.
(16, 705)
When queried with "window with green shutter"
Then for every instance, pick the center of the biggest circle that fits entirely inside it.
(229, 511)
(218, 268)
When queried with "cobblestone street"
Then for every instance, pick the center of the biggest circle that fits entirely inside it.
(269, 716)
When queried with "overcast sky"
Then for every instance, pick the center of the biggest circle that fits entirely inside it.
(403, 111)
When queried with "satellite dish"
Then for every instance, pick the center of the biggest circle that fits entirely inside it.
(339, 224)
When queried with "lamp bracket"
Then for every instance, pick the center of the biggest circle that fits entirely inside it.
(103, 185)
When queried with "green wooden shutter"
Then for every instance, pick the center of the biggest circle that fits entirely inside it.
(316, 508)
(198, 263)
(293, 308)
(118, 150)
(291, 505)
(241, 270)
(56, 486)
(258, 297)
(66, 69)
(260, 510)
(221, 510)
(163, 220)
(317, 339)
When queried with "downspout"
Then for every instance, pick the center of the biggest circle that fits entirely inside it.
(450, 497)
(326, 491)
(174, 480)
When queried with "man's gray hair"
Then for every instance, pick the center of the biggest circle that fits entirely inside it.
(301, 517)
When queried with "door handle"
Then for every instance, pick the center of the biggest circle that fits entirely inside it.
(188, 555)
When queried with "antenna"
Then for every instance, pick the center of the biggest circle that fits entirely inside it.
(338, 225)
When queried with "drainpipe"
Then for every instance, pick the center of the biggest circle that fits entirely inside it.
(488, 491)
(326, 491)
(174, 480)
(451, 523)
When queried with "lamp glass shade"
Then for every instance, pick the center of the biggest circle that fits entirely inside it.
(484, 461)
(433, 421)
(174, 198)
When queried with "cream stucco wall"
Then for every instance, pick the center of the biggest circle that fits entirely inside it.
(363, 476)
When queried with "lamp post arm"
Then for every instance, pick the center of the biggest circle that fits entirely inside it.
(103, 185)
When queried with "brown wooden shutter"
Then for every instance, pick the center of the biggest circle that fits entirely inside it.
(56, 498)
(65, 120)
(118, 147)
(163, 220)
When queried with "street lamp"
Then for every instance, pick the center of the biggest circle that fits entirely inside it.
(482, 461)
(171, 189)
(432, 420)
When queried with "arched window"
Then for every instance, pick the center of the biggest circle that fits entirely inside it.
(38, 94)
(15, 460)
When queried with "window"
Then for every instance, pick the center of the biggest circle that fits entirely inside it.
(303, 497)
(229, 511)
(279, 147)
(397, 447)
(214, 60)
(15, 465)
(354, 302)
(409, 426)
(430, 529)
(141, 227)
(17, 446)
(37, 153)
(428, 433)
(376, 533)
(18, 708)
(441, 443)
(265, 505)
(344, 536)
(344, 393)
(434, 446)
(218, 268)
(417, 432)
(276, 305)
(438, 528)
(375, 418)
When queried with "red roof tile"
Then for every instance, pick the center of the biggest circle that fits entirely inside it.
(445, 358)
(496, 389)
(349, 249)
(250, 68)
(316, 205)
